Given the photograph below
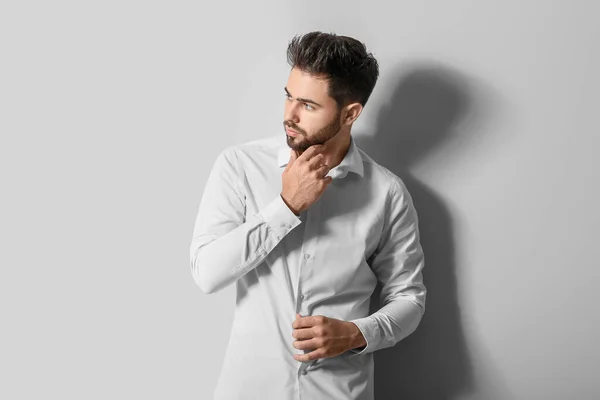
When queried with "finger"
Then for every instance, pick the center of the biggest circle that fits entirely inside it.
(316, 161)
(322, 171)
(293, 158)
(303, 334)
(306, 344)
(311, 152)
(313, 355)
(295, 318)
(304, 322)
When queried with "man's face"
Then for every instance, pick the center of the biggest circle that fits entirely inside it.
(309, 111)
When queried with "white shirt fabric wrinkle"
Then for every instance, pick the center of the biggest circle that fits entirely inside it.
(327, 261)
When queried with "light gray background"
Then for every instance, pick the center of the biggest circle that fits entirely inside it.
(113, 112)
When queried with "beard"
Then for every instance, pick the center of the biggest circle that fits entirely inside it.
(303, 141)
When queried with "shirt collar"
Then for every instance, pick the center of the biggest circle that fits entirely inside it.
(352, 161)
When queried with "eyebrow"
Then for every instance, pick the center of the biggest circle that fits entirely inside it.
(303, 100)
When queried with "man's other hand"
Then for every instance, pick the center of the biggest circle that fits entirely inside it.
(326, 337)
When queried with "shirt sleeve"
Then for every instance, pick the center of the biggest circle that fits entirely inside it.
(226, 244)
(398, 263)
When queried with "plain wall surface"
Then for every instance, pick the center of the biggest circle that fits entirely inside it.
(112, 114)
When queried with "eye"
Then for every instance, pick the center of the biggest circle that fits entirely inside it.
(308, 107)
(287, 95)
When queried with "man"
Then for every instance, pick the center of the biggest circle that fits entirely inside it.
(305, 224)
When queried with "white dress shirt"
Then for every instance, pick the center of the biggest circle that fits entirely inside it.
(324, 262)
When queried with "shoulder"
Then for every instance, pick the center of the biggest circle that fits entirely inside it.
(267, 144)
(382, 177)
(253, 149)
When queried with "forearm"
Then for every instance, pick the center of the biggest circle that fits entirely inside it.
(219, 259)
(388, 325)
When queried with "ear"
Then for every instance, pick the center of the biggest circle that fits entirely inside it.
(350, 113)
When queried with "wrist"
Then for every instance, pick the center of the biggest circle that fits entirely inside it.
(287, 203)
(357, 338)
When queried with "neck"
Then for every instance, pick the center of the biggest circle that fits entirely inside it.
(336, 149)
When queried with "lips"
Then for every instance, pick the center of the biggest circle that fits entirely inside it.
(291, 132)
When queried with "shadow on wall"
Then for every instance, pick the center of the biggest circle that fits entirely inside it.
(424, 109)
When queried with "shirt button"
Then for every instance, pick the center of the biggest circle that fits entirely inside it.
(306, 256)
(302, 296)
(304, 372)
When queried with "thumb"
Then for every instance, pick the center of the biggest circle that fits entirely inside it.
(298, 315)
(293, 157)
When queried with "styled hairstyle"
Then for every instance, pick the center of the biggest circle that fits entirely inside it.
(344, 62)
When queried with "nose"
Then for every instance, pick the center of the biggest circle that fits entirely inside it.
(291, 112)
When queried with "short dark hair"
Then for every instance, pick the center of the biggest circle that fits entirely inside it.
(343, 61)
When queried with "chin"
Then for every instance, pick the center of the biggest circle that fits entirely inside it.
(297, 145)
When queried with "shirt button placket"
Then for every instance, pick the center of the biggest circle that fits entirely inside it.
(308, 254)
(306, 257)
